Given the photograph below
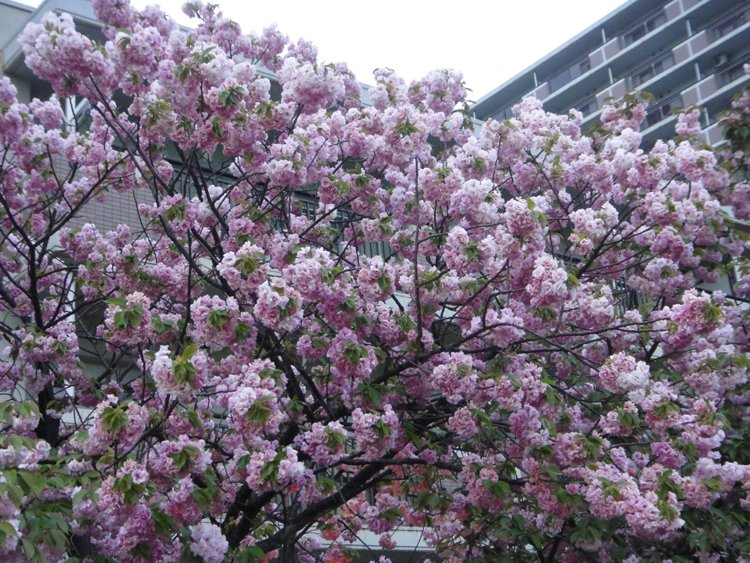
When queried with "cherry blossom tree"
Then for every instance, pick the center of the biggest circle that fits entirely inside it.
(332, 315)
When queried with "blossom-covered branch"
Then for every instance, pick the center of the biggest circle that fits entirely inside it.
(323, 315)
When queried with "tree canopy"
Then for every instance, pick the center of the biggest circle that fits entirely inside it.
(323, 314)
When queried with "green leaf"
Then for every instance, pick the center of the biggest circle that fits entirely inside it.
(348, 305)
(120, 321)
(190, 351)
(268, 473)
(218, 318)
(230, 96)
(326, 483)
(14, 491)
(142, 551)
(7, 529)
(713, 484)
(181, 460)
(241, 331)
(382, 429)
(405, 128)
(472, 252)
(36, 482)
(405, 322)
(391, 514)
(334, 439)
(161, 326)
(544, 313)
(354, 353)
(259, 412)
(203, 498)
(57, 539)
(29, 549)
(177, 211)
(250, 554)
(216, 128)
(498, 488)
(114, 419)
(384, 283)
(163, 522)
(592, 445)
(712, 313)
(194, 418)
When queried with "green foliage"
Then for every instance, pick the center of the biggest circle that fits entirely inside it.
(114, 419)
(130, 317)
(217, 318)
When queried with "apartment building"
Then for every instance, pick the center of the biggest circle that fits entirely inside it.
(684, 52)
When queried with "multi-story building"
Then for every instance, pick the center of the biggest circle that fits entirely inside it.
(683, 52)
(116, 207)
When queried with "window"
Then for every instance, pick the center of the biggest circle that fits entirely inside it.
(728, 24)
(652, 68)
(77, 114)
(662, 110)
(626, 299)
(734, 71)
(643, 28)
(588, 106)
(307, 205)
(570, 74)
(504, 113)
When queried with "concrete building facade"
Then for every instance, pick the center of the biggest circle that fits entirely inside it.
(683, 52)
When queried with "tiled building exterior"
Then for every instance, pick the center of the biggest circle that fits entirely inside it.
(684, 52)
(113, 208)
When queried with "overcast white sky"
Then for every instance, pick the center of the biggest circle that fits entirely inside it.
(489, 41)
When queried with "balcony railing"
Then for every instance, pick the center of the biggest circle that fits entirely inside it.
(643, 27)
(626, 299)
(308, 207)
(662, 110)
(733, 71)
(580, 67)
(652, 68)
(587, 106)
(504, 112)
(728, 23)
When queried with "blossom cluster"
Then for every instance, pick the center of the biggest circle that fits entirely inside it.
(333, 310)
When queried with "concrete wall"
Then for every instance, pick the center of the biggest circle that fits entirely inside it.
(13, 17)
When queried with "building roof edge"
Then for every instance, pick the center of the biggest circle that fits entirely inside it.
(493, 93)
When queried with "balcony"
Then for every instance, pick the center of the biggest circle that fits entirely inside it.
(650, 36)
(728, 23)
(307, 205)
(652, 68)
(506, 112)
(661, 111)
(579, 68)
(643, 28)
(587, 106)
(662, 33)
(734, 70)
